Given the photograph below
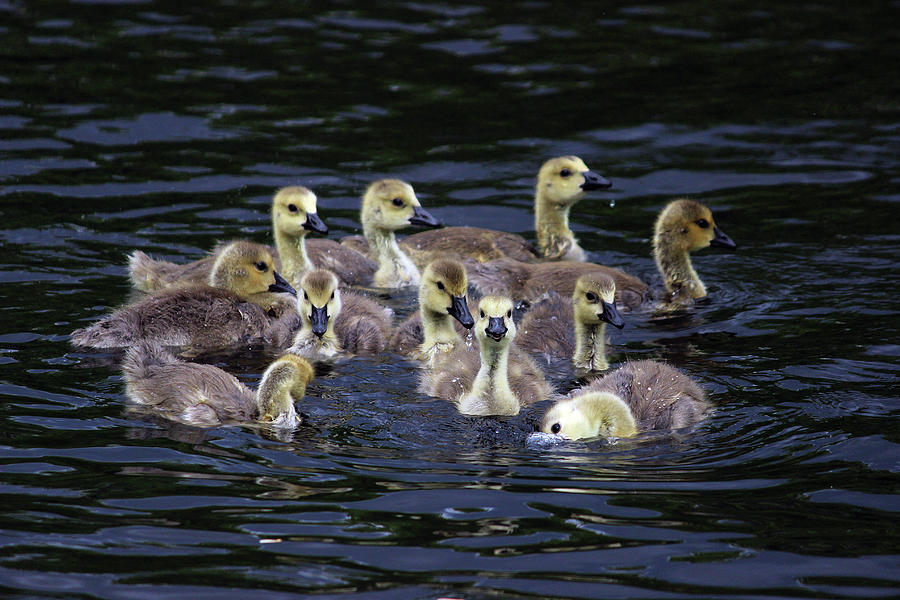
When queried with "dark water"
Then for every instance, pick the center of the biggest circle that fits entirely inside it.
(166, 126)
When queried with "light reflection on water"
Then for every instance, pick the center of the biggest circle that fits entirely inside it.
(167, 128)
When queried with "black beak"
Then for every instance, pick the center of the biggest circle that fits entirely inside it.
(319, 320)
(281, 285)
(314, 223)
(593, 181)
(459, 310)
(721, 240)
(611, 315)
(496, 328)
(423, 217)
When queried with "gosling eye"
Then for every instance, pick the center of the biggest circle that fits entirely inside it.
(482, 314)
(305, 296)
(565, 173)
(261, 267)
(293, 208)
(332, 296)
(440, 285)
(555, 428)
(398, 202)
(509, 313)
(702, 223)
(592, 297)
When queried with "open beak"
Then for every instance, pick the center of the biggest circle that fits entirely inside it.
(281, 285)
(459, 310)
(319, 320)
(423, 217)
(314, 223)
(721, 240)
(496, 328)
(594, 181)
(611, 315)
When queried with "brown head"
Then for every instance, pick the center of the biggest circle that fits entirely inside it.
(294, 212)
(283, 382)
(687, 225)
(391, 204)
(320, 300)
(247, 269)
(562, 181)
(594, 300)
(443, 289)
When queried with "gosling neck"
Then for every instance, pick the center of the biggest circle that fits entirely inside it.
(491, 394)
(292, 254)
(308, 345)
(682, 281)
(555, 240)
(439, 333)
(395, 268)
(273, 398)
(590, 348)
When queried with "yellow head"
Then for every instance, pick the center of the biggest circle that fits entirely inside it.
(247, 269)
(283, 382)
(294, 212)
(443, 290)
(590, 415)
(563, 180)
(594, 300)
(686, 225)
(320, 300)
(391, 204)
(495, 325)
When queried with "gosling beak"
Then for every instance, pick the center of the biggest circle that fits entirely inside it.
(496, 328)
(459, 310)
(423, 217)
(611, 315)
(314, 223)
(594, 181)
(281, 285)
(319, 320)
(721, 240)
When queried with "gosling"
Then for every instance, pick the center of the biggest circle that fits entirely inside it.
(206, 396)
(294, 215)
(434, 330)
(243, 303)
(640, 396)
(335, 321)
(495, 379)
(559, 328)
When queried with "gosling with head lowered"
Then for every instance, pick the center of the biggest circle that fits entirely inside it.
(244, 303)
(644, 395)
(334, 321)
(205, 395)
(559, 328)
(443, 315)
(494, 379)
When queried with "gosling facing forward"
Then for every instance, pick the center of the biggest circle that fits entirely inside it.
(205, 395)
(640, 396)
(496, 378)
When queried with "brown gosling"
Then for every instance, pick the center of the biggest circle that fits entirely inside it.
(561, 183)
(388, 205)
(495, 379)
(242, 303)
(205, 395)
(335, 321)
(559, 328)
(433, 330)
(640, 396)
(294, 215)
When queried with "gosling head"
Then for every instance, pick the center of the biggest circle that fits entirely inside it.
(288, 373)
(495, 325)
(294, 212)
(443, 289)
(320, 301)
(590, 415)
(246, 269)
(594, 300)
(563, 180)
(391, 204)
(686, 225)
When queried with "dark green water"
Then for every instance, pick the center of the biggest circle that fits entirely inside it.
(167, 126)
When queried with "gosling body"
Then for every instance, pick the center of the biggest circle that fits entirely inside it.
(205, 395)
(495, 378)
